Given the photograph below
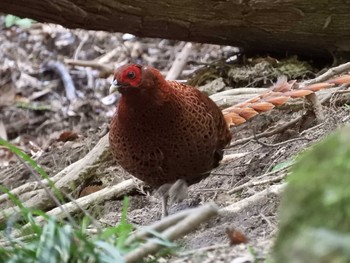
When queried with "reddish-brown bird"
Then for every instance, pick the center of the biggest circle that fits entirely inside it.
(165, 132)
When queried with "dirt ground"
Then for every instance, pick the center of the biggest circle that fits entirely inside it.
(37, 115)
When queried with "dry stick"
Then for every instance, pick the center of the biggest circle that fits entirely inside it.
(62, 71)
(238, 207)
(192, 221)
(91, 64)
(80, 46)
(74, 171)
(237, 91)
(83, 202)
(95, 198)
(64, 180)
(22, 238)
(106, 58)
(179, 62)
(256, 183)
(329, 73)
(280, 143)
(311, 128)
(279, 129)
(158, 226)
(316, 107)
(27, 187)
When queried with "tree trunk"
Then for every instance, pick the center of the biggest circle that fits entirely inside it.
(312, 27)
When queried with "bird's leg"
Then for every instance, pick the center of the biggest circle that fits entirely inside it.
(173, 193)
(164, 200)
(163, 192)
(178, 191)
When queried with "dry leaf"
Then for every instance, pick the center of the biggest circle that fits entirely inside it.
(68, 136)
(235, 236)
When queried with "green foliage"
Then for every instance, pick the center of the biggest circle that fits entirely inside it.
(122, 230)
(282, 165)
(316, 203)
(11, 20)
(56, 241)
(346, 106)
(33, 106)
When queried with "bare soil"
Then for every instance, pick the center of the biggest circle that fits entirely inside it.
(35, 112)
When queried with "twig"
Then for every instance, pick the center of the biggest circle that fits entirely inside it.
(267, 221)
(274, 158)
(238, 207)
(158, 226)
(84, 202)
(188, 224)
(6, 243)
(316, 107)
(280, 143)
(62, 71)
(329, 73)
(95, 198)
(80, 46)
(238, 91)
(232, 157)
(106, 58)
(279, 129)
(256, 183)
(106, 69)
(179, 62)
(311, 128)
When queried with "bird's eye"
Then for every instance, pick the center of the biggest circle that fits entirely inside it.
(131, 75)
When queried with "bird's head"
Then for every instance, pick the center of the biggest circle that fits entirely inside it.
(126, 77)
(135, 78)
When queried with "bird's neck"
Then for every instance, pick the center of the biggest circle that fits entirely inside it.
(135, 106)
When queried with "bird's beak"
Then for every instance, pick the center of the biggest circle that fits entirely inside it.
(114, 86)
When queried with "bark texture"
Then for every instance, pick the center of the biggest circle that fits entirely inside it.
(294, 26)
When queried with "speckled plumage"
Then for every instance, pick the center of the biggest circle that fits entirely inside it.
(163, 130)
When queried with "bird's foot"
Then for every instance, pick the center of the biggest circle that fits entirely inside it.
(178, 191)
(172, 193)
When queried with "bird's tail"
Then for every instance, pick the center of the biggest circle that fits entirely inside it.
(276, 96)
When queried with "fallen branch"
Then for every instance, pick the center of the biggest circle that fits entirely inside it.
(256, 183)
(100, 196)
(84, 202)
(238, 207)
(195, 217)
(158, 226)
(179, 63)
(269, 133)
(106, 69)
(62, 71)
(329, 74)
(65, 181)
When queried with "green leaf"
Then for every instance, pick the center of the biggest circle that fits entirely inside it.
(11, 20)
(282, 165)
